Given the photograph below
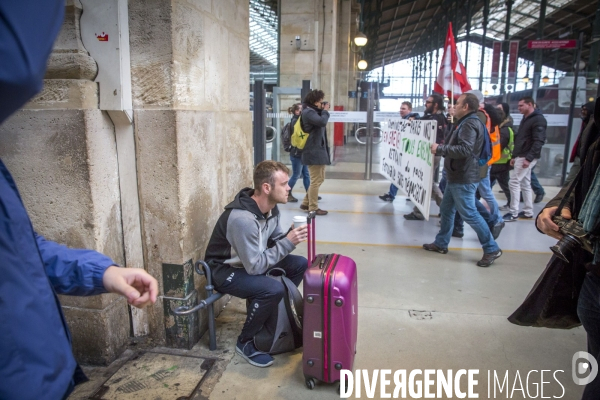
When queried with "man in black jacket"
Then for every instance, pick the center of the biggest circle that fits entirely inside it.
(527, 151)
(461, 161)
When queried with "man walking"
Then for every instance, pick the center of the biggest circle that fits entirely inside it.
(405, 113)
(461, 161)
(527, 151)
(247, 242)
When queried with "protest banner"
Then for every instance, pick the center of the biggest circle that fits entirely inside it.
(406, 158)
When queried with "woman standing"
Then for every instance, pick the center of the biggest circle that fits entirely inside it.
(296, 157)
(315, 114)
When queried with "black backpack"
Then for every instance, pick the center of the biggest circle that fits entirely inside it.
(282, 332)
(286, 137)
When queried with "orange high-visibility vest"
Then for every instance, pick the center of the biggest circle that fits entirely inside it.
(494, 138)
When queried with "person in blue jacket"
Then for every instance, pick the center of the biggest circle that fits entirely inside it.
(36, 360)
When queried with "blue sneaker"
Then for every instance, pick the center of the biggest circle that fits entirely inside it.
(522, 215)
(252, 355)
(509, 217)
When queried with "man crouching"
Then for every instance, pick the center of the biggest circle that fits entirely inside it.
(248, 241)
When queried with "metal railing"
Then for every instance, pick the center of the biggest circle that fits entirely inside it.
(363, 135)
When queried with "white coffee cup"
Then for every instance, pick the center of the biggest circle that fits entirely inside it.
(299, 221)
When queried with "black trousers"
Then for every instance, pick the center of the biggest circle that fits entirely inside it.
(263, 293)
(588, 310)
(503, 177)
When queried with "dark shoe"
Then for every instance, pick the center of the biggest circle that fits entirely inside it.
(539, 198)
(303, 207)
(488, 259)
(321, 212)
(319, 198)
(249, 353)
(521, 198)
(433, 247)
(292, 199)
(497, 229)
(522, 215)
(413, 217)
(457, 234)
(386, 197)
(509, 218)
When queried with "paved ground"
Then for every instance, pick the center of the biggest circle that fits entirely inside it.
(417, 310)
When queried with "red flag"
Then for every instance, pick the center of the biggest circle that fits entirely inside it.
(452, 79)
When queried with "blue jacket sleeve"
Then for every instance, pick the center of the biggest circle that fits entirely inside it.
(76, 272)
(27, 32)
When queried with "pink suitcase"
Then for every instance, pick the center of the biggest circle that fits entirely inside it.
(330, 325)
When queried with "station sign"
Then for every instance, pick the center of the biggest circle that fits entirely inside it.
(552, 44)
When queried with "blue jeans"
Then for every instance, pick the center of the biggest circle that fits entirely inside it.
(461, 197)
(588, 310)
(485, 191)
(458, 222)
(393, 191)
(443, 181)
(297, 170)
(535, 184)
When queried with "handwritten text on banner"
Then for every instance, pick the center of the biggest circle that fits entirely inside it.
(406, 158)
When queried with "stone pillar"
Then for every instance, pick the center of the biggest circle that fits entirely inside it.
(345, 78)
(193, 137)
(332, 73)
(190, 79)
(61, 151)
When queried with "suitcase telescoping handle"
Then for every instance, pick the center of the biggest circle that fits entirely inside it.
(310, 220)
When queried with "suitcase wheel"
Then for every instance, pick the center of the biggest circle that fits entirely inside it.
(310, 383)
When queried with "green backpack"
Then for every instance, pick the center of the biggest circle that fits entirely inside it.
(299, 137)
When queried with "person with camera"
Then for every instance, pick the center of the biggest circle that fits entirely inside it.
(582, 207)
(314, 118)
(296, 157)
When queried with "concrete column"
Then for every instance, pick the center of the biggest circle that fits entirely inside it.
(193, 140)
(345, 79)
(314, 59)
(324, 56)
(189, 67)
(61, 149)
(538, 55)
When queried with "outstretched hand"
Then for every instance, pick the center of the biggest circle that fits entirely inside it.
(545, 224)
(135, 284)
(300, 234)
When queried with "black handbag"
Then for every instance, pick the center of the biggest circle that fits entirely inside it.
(552, 303)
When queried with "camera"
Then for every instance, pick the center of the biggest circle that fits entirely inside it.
(574, 236)
(324, 103)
